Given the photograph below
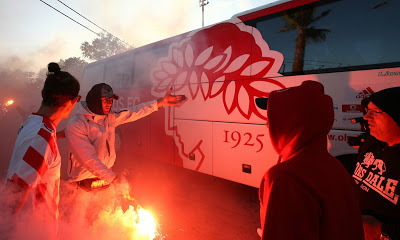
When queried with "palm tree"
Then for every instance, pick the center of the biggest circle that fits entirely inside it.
(301, 18)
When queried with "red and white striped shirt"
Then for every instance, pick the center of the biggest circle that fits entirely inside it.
(35, 165)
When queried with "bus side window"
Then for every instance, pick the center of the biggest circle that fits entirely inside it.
(119, 72)
(144, 62)
(337, 37)
(91, 76)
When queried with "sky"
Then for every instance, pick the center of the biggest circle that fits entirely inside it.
(34, 34)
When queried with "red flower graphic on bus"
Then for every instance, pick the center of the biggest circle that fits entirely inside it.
(218, 54)
(228, 61)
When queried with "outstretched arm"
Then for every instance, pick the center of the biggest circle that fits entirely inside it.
(171, 100)
(144, 109)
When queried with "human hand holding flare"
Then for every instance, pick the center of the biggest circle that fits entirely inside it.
(128, 200)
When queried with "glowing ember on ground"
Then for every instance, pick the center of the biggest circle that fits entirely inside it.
(9, 102)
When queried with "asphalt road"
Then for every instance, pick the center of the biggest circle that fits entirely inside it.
(192, 205)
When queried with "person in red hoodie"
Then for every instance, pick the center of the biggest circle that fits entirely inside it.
(308, 194)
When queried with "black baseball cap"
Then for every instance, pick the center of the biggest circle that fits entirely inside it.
(106, 91)
(94, 96)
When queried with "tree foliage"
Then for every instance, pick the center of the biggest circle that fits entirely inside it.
(302, 18)
(105, 45)
(73, 65)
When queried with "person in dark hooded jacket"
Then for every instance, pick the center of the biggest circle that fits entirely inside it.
(308, 194)
(377, 171)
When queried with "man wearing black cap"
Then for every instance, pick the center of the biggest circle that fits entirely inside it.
(377, 170)
(91, 134)
(308, 194)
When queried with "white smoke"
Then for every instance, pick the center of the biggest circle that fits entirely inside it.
(101, 215)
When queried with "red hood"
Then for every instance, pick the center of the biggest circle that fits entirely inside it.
(299, 118)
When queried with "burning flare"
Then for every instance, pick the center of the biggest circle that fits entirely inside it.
(145, 223)
(108, 214)
(9, 102)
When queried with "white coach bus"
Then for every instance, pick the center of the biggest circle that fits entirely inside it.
(350, 46)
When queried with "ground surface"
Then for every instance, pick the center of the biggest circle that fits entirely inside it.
(191, 205)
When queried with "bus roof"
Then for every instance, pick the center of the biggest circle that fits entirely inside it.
(270, 8)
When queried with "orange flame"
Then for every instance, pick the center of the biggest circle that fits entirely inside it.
(9, 102)
(145, 223)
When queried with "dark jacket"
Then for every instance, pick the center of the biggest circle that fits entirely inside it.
(308, 194)
(377, 174)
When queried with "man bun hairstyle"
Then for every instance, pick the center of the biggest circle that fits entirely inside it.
(59, 87)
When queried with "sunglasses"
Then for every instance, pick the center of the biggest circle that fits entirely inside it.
(372, 111)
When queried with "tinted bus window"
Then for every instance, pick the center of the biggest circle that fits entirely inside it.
(92, 75)
(144, 61)
(337, 36)
(119, 72)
